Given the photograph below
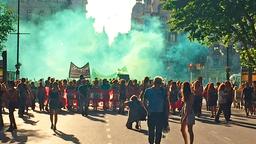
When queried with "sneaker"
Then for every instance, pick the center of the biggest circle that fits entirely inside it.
(138, 127)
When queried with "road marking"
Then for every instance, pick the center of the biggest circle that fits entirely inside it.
(109, 143)
(109, 136)
(108, 129)
(227, 138)
(107, 124)
(107, 120)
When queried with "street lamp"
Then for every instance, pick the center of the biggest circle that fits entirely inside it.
(18, 65)
(227, 64)
(190, 66)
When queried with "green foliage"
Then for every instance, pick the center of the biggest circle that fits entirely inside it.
(229, 22)
(7, 20)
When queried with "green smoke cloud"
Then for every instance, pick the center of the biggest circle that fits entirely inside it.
(68, 35)
(183, 53)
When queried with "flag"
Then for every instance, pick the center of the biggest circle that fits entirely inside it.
(122, 70)
(75, 71)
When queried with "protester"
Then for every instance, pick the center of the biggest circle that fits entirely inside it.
(105, 87)
(54, 104)
(247, 97)
(230, 97)
(83, 91)
(33, 95)
(70, 95)
(238, 96)
(144, 86)
(122, 96)
(156, 103)
(129, 89)
(96, 91)
(115, 92)
(222, 100)
(198, 91)
(23, 96)
(212, 99)
(205, 96)
(187, 115)
(13, 96)
(137, 112)
(173, 96)
(41, 96)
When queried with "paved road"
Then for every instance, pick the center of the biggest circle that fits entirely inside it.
(109, 128)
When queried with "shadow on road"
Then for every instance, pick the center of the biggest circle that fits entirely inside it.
(244, 116)
(19, 136)
(27, 120)
(95, 119)
(243, 124)
(145, 132)
(67, 137)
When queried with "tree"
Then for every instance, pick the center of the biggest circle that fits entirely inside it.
(229, 22)
(7, 20)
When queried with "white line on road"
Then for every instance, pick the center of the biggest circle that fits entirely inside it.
(107, 124)
(108, 129)
(227, 138)
(109, 136)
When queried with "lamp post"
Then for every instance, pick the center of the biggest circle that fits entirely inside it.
(191, 74)
(227, 65)
(18, 65)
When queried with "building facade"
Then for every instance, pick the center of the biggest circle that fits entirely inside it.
(211, 66)
(34, 9)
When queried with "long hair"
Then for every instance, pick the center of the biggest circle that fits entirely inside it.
(186, 92)
(221, 87)
(211, 88)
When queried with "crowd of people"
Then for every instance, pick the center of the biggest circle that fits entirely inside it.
(150, 100)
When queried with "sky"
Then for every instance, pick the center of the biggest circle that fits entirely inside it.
(113, 15)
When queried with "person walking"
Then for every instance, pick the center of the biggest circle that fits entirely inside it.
(187, 113)
(198, 91)
(122, 96)
(230, 97)
(13, 96)
(156, 103)
(222, 100)
(83, 90)
(212, 99)
(247, 97)
(54, 96)
(23, 96)
(41, 96)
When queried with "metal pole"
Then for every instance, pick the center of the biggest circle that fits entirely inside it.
(227, 68)
(18, 44)
(191, 77)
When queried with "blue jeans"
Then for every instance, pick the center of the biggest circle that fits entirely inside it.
(155, 127)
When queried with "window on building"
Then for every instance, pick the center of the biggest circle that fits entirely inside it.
(172, 37)
(29, 14)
